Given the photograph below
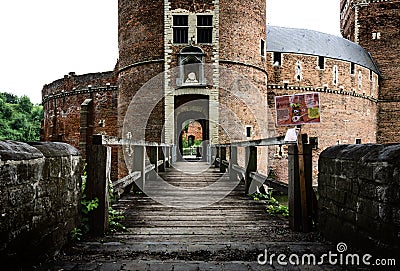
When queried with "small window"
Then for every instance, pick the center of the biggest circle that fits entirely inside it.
(313, 142)
(335, 80)
(352, 68)
(262, 47)
(360, 79)
(358, 140)
(321, 62)
(376, 35)
(370, 75)
(204, 28)
(277, 59)
(181, 29)
(248, 131)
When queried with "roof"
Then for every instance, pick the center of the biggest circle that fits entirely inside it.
(310, 42)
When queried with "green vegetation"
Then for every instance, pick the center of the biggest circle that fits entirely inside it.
(273, 206)
(114, 217)
(20, 119)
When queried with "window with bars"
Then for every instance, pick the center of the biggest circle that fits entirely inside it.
(181, 29)
(204, 28)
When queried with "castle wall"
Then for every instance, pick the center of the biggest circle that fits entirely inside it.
(382, 19)
(348, 108)
(40, 197)
(62, 101)
(374, 25)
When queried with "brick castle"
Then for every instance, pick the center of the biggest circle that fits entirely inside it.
(189, 48)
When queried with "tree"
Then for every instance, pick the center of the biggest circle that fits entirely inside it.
(19, 119)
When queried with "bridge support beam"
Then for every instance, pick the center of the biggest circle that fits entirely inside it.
(222, 167)
(251, 166)
(300, 186)
(98, 176)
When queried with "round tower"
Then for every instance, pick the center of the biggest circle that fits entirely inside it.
(180, 61)
(374, 26)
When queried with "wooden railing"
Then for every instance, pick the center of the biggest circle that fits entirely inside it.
(299, 187)
(98, 158)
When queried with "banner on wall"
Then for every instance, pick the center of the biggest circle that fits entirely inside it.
(298, 109)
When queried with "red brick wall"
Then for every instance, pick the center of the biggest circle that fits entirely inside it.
(62, 101)
(346, 113)
(384, 17)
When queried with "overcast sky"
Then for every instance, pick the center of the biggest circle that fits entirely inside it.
(42, 40)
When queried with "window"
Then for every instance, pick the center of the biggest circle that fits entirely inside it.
(376, 35)
(248, 131)
(360, 78)
(358, 140)
(370, 75)
(321, 62)
(298, 71)
(181, 27)
(204, 28)
(313, 142)
(335, 80)
(277, 59)
(262, 47)
(352, 68)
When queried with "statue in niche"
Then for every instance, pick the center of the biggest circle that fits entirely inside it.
(191, 78)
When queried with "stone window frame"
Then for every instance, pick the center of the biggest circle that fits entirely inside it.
(204, 27)
(192, 25)
(180, 27)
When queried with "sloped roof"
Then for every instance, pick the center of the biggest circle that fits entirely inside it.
(310, 42)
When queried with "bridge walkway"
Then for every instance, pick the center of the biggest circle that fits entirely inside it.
(189, 231)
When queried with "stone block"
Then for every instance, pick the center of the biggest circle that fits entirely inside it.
(367, 190)
(383, 173)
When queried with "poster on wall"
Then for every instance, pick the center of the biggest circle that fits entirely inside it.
(297, 109)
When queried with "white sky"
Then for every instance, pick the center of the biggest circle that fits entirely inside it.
(42, 40)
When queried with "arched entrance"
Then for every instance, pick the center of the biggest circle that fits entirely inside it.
(191, 112)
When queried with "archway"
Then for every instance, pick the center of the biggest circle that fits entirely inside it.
(191, 112)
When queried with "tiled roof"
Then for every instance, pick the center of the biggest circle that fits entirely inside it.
(310, 42)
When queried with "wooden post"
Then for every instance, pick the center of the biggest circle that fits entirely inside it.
(232, 162)
(217, 156)
(167, 156)
(300, 185)
(86, 126)
(161, 155)
(251, 160)
(139, 164)
(98, 175)
(153, 160)
(222, 167)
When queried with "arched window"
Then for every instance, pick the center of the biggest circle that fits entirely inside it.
(191, 69)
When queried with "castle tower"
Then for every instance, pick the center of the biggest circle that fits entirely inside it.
(182, 49)
(374, 24)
